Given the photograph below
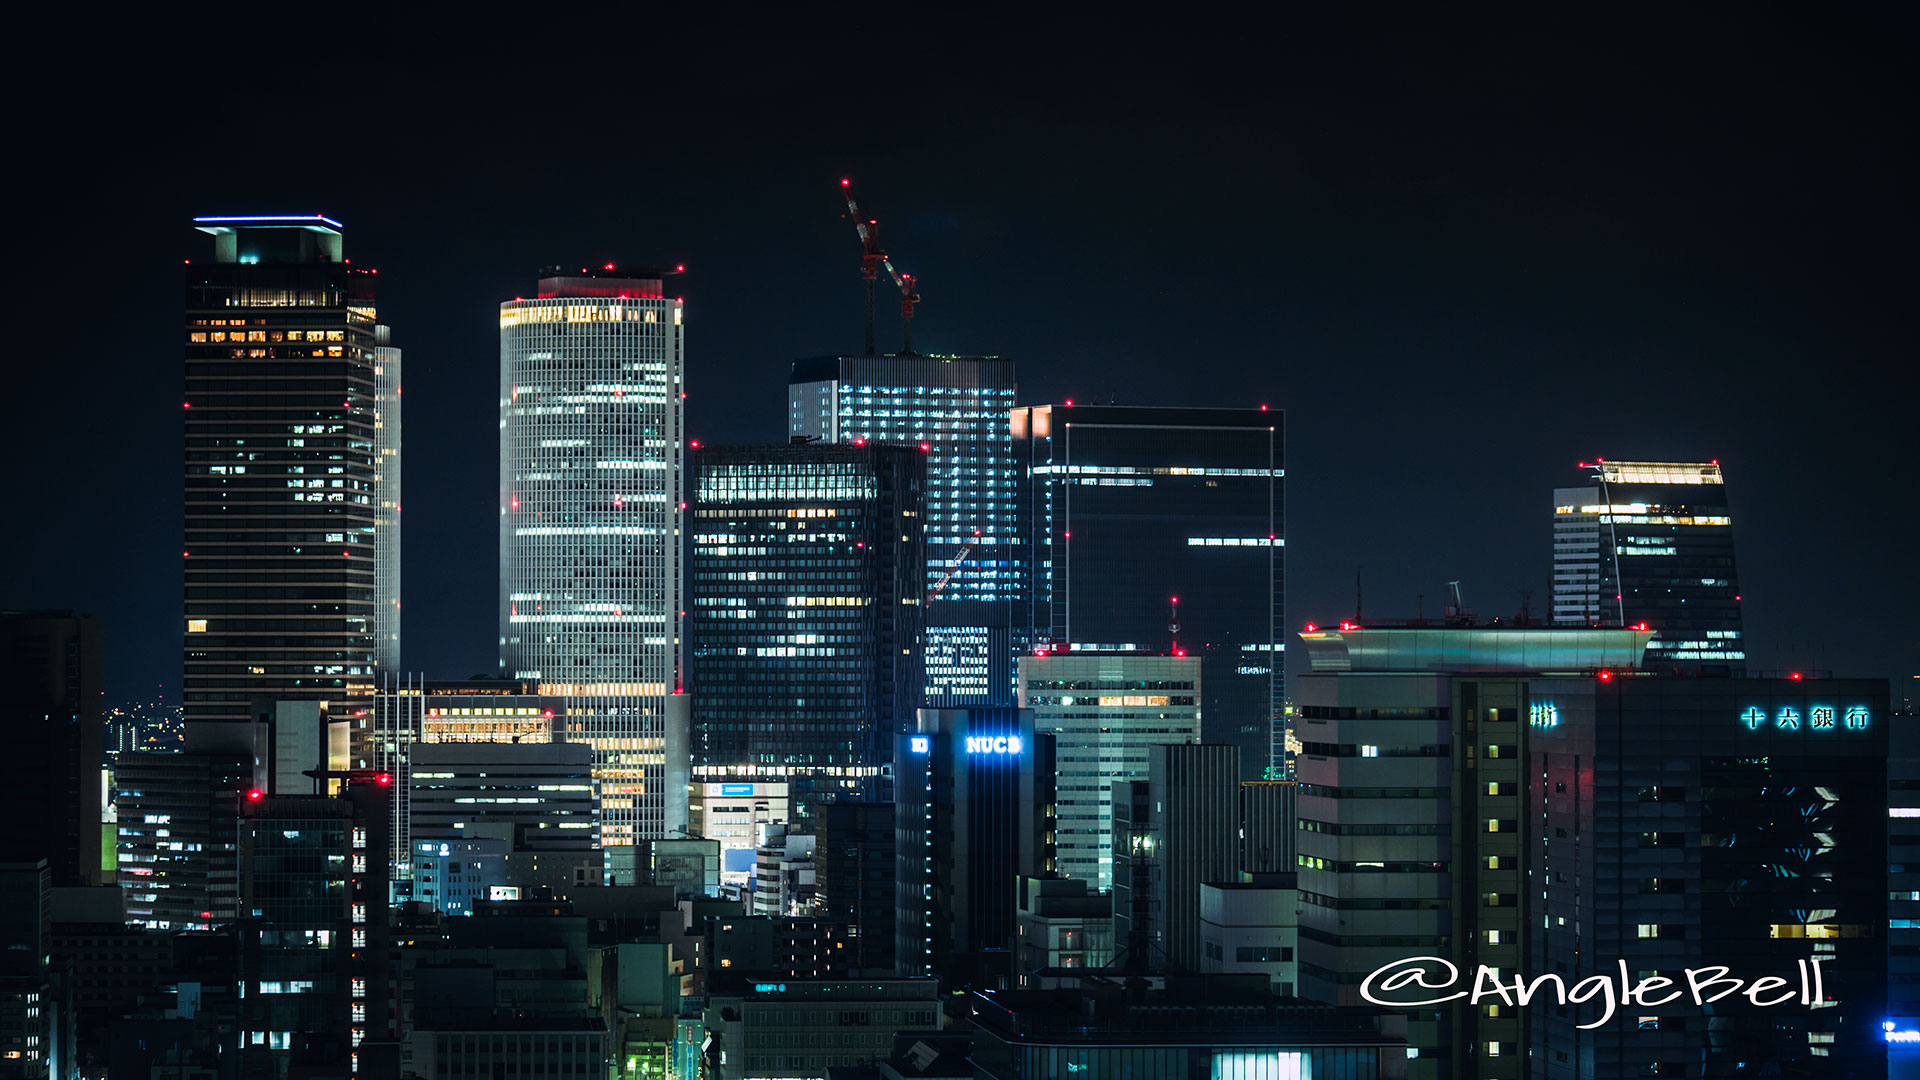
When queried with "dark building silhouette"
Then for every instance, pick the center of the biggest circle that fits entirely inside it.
(314, 940)
(51, 710)
(1164, 530)
(855, 873)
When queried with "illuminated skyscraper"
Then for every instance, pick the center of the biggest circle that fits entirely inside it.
(1652, 542)
(292, 437)
(957, 407)
(808, 571)
(590, 499)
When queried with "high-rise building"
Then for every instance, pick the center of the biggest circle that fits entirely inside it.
(807, 578)
(1689, 823)
(974, 814)
(292, 435)
(1163, 530)
(1548, 802)
(51, 712)
(1414, 829)
(1106, 711)
(955, 409)
(1652, 542)
(591, 465)
(314, 936)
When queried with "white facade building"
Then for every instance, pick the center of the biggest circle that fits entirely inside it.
(591, 460)
(1105, 711)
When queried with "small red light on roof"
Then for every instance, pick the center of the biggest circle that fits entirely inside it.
(1312, 629)
(846, 183)
(1606, 676)
(255, 795)
(383, 779)
(1069, 401)
(1795, 675)
(186, 404)
(1176, 599)
(680, 269)
(609, 266)
(696, 444)
(549, 712)
(926, 446)
(1263, 408)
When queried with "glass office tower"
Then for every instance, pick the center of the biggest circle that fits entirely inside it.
(590, 501)
(1652, 542)
(292, 436)
(808, 569)
(956, 408)
(1163, 530)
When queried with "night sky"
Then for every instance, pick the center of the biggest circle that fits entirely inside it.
(1462, 255)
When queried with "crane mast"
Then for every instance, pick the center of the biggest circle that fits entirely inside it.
(873, 259)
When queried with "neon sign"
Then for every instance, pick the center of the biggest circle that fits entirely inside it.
(1816, 718)
(736, 789)
(1544, 715)
(770, 988)
(919, 744)
(993, 744)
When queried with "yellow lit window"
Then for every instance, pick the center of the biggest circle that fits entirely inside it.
(196, 626)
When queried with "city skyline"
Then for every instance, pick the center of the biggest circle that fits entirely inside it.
(1571, 230)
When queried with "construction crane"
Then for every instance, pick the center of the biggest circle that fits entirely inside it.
(953, 569)
(873, 259)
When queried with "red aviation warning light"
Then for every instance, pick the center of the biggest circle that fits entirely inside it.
(1606, 676)
(384, 779)
(256, 795)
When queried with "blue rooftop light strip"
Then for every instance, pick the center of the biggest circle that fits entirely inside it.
(304, 219)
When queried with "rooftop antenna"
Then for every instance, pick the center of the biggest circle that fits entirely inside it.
(1358, 595)
(1420, 606)
(1173, 623)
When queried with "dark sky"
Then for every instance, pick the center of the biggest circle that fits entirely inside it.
(1462, 255)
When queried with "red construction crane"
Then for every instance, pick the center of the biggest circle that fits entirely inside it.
(955, 568)
(873, 259)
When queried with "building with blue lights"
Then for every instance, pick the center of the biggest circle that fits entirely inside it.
(291, 417)
(1652, 542)
(807, 571)
(973, 815)
(1163, 530)
(955, 408)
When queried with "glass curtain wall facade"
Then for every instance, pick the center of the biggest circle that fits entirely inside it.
(591, 461)
(292, 438)
(955, 407)
(1164, 530)
(807, 566)
(1652, 542)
